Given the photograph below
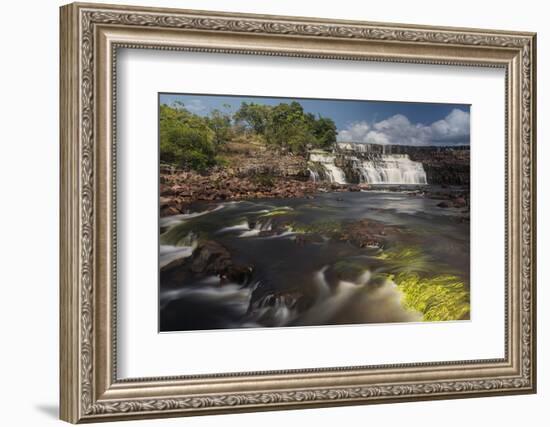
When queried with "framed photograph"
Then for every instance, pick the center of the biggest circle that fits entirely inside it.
(267, 212)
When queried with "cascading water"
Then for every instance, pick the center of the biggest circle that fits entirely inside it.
(392, 169)
(364, 163)
(363, 148)
(314, 175)
(295, 262)
(327, 162)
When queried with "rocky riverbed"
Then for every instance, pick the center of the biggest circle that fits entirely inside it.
(180, 189)
(335, 257)
(252, 171)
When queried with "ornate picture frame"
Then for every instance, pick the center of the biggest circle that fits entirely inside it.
(90, 37)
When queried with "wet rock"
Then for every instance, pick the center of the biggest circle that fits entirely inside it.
(444, 205)
(269, 304)
(237, 274)
(168, 211)
(181, 188)
(367, 233)
(459, 202)
(173, 273)
(166, 201)
(211, 258)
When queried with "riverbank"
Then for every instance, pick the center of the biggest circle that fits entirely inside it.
(180, 189)
(250, 171)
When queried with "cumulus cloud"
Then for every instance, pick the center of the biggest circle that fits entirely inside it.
(354, 132)
(455, 128)
(398, 129)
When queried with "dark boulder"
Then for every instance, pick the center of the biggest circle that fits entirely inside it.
(367, 233)
(168, 210)
(460, 202)
(237, 274)
(211, 258)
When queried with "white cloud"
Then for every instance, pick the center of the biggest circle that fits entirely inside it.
(454, 128)
(195, 106)
(398, 129)
(375, 137)
(354, 133)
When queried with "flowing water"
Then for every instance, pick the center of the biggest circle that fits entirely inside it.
(305, 267)
(391, 169)
(327, 162)
(370, 168)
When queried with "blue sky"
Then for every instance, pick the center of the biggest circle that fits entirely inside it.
(380, 122)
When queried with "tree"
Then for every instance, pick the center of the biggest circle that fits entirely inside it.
(289, 128)
(220, 123)
(192, 141)
(186, 140)
(324, 130)
(253, 116)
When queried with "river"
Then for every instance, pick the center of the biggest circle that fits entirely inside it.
(337, 258)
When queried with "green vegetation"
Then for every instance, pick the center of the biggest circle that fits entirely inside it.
(287, 126)
(409, 259)
(325, 228)
(438, 297)
(196, 142)
(186, 139)
(253, 117)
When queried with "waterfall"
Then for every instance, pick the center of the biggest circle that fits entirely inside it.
(357, 147)
(365, 163)
(313, 175)
(391, 169)
(327, 162)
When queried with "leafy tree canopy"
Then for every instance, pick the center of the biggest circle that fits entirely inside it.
(287, 126)
(192, 141)
(186, 139)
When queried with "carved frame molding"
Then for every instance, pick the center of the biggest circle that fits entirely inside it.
(90, 36)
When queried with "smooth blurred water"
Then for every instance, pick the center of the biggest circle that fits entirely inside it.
(295, 253)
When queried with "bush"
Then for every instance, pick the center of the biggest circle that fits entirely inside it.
(186, 140)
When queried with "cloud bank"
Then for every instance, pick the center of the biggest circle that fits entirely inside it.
(398, 129)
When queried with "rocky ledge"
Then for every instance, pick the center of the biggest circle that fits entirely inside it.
(210, 258)
(178, 189)
(448, 166)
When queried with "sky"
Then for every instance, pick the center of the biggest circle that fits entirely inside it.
(377, 122)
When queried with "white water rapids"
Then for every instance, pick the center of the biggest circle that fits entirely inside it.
(375, 169)
(333, 172)
(391, 169)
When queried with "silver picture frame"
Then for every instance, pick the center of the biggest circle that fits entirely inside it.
(90, 37)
